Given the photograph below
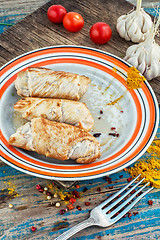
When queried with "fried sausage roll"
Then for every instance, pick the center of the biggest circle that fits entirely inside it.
(59, 110)
(57, 140)
(46, 83)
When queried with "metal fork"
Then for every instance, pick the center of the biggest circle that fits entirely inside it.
(103, 216)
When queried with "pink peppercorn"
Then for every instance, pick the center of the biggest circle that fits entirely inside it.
(62, 211)
(150, 202)
(99, 189)
(41, 190)
(38, 186)
(129, 179)
(48, 193)
(33, 229)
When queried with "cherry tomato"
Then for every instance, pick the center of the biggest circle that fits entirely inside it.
(100, 33)
(56, 13)
(73, 22)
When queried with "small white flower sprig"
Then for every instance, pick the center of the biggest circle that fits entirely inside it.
(145, 56)
(135, 25)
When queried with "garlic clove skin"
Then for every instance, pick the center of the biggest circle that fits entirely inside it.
(133, 61)
(145, 57)
(131, 50)
(134, 26)
(121, 25)
(142, 66)
(152, 71)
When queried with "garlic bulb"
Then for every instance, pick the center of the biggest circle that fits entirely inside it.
(145, 56)
(135, 25)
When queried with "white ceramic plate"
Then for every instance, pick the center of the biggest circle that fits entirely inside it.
(133, 114)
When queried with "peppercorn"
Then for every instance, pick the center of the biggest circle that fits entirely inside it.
(41, 190)
(96, 134)
(76, 194)
(33, 229)
(85, 189)
(114, 134)
(10, 205)
(135, 213)
(62, 211)
(55, 195)
(57, 204)
(150, 202)
(99, 189)
(129, 179)
(38, 186)
(66, 209)
(48, 193)
(87, 203)
(79, 208)
(108, 179)
(129, 214)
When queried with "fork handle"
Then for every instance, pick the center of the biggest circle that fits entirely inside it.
(86, 223)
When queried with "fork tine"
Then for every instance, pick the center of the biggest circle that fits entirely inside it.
(123, 196)
(128, 200)
(117, 193)
(130, 206)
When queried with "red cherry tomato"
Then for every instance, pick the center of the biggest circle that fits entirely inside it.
(73, 22)
(56, 13)
(100, 33)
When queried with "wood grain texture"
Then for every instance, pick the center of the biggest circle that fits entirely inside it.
(36, 31)
(31, 208)
(12, 11)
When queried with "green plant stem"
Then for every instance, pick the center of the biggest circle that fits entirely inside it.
(6, 24)
(139, 3)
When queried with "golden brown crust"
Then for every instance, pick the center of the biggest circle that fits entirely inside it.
(57, 140)
(59, 110)
(42, 82)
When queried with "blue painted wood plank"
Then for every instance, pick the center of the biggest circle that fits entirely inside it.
(10, 19)
(46, 220)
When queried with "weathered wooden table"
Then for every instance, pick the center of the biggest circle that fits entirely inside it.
(32, 208)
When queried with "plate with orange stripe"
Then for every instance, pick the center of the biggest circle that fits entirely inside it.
(126, 120)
